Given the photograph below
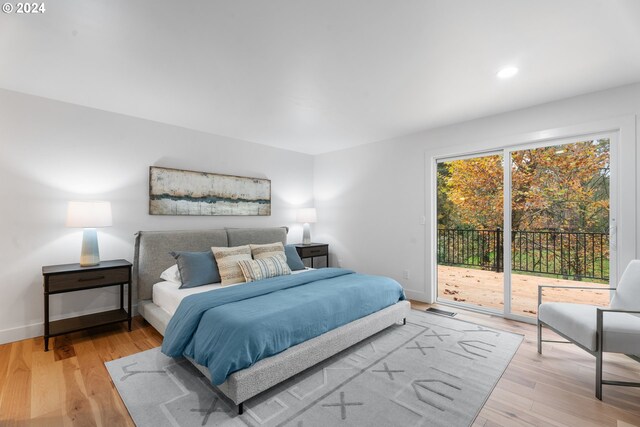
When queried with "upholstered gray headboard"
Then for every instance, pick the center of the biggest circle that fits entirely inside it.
(152, 249)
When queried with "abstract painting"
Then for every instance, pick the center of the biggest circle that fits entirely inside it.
(183, 192)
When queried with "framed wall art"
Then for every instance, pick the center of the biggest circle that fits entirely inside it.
(184, 192)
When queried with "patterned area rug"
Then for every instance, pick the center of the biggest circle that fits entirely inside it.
(433, 371)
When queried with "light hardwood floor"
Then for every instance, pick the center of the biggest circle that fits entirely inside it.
(70, 386)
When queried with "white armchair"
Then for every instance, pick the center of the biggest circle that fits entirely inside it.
(597, 329)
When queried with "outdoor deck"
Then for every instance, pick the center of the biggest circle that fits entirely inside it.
(485, 288)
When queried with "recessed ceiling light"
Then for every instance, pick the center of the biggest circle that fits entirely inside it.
(507, 72)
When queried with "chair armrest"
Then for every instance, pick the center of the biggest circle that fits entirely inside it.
(613, 310)
(591, 288)
(600, 320)
(576, 287)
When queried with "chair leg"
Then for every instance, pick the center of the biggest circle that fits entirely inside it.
(599, 375)
(599, 352)
(539, 337)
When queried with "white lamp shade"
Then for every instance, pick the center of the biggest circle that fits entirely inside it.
(89, 214)
(307, 215)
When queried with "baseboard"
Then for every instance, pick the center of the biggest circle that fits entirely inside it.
(37, 329)
(21, 333)
(417, 296)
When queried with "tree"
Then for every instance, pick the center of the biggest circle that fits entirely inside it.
(554, 188)
(474, 189)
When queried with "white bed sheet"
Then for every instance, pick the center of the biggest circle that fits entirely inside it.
(168, 295)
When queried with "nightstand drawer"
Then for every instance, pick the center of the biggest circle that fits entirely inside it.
(313, 251)
(87, 279)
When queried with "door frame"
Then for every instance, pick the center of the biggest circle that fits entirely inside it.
(434, 251)
(622, 129)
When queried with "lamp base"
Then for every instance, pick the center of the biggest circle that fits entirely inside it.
(90, 254)
(306, 234)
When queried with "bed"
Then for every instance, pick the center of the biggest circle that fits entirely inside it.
(152, 257)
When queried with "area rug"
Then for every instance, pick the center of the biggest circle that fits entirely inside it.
(433, 371)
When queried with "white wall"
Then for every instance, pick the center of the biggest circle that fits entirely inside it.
(52, 152)
(371, 199)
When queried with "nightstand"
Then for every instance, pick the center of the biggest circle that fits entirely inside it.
(64, 278)
(313, 250)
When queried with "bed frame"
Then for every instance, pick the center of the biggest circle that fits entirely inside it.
(152, 258)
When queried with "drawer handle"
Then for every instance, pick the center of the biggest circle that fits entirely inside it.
(89, 279)
(316, 251)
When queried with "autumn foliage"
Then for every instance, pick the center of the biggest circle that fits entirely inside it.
(560, 188)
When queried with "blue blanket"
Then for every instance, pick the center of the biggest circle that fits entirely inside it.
(232, 328)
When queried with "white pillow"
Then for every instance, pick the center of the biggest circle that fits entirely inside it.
(172, 274)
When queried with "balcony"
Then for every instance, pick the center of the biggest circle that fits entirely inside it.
(485, 289)
(470, 267)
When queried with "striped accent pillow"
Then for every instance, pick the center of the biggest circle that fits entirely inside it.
(267, 251)
(227, 260)
(264, 268)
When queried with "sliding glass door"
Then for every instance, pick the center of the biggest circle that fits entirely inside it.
(542, 216)
(469, 231)
(560, 203)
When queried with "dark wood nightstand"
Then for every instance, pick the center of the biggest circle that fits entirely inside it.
(313, 250)
(70, 278)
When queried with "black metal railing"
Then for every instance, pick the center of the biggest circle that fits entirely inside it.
(575, 255)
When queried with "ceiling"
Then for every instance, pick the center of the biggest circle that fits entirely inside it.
(322, 75)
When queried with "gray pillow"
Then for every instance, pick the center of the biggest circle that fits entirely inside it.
(196, 268)
(293, 259)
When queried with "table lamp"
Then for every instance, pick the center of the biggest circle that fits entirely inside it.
(306, 216)
(89, 215)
